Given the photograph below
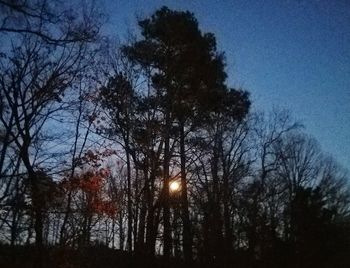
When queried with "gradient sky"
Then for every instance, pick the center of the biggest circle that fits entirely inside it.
(293, 54)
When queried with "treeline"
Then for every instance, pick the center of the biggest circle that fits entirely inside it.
(143, 147)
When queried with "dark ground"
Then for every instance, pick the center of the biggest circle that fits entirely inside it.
(103, 257)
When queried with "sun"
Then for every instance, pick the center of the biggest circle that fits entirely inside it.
(174, 186)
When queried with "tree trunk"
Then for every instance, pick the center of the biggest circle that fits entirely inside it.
(215, 208)
(165, 193)
(150, 235)
(129, 201)
(226, 203)
(187, 233)
(143, 211)
(36, 202)
(121, 231)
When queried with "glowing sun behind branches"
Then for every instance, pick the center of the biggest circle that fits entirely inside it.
(174, 186)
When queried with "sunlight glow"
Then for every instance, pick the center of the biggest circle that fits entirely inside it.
(174, 186)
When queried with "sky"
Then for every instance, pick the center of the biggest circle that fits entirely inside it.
(291, 54)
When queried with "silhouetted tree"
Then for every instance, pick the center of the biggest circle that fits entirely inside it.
(52, 21)
(187, 72)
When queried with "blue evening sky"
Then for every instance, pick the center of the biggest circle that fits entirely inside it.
(293, 54)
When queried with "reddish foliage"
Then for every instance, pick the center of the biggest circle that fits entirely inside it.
(92, 184)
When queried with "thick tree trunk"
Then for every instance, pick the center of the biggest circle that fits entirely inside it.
(226, 203)
(14, 229)
(38, 222)
(36, 202)
(5, 144)
(227, 225)
(151, 225)
(65, 219)
(187, 232)
(129, 201)
(165, 193)
(216, 215)
(121, 231)
(139, 246)
(150, 237)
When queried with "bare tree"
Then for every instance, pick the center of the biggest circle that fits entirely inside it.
(52, 21)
